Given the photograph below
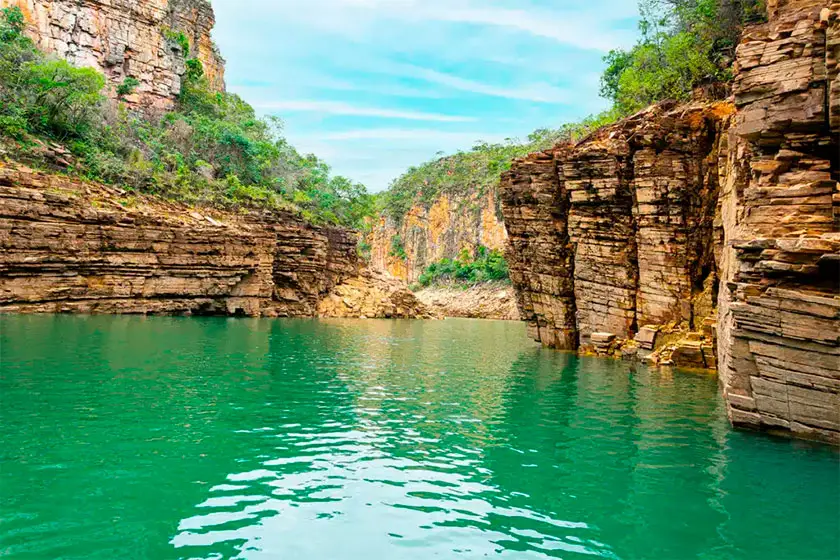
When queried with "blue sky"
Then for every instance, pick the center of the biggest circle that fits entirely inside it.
(375, 86)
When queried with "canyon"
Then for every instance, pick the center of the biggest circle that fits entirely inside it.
(699, 235)
(709, 230)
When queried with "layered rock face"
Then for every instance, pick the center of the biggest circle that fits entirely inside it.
(123, 38)
(616, 232)
(645, 225)
(442, 230)
(75, 247)
(779, 307)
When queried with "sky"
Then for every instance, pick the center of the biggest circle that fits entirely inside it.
(375, 86)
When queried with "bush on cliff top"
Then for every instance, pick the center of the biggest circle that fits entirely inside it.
(683, 44)
(212, 149)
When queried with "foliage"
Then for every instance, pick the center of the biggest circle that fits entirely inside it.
(484, 266)
(178, 38)
(684, 44)
(212, 149)
(363, 249)
(398, 248)
(43, 96)
(128, 86)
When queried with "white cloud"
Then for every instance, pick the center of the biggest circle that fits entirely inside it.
(340, 108)
(436, 137)
(584, 27)
(542, 93)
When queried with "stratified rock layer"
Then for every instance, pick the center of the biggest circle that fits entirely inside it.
(616, 232)
(779, 309)
(128, 38)
(642, 227)
(75, 247)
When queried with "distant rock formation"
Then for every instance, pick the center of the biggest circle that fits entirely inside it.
(440, 231)
(373, 295)
(481, 301)
(622, 242)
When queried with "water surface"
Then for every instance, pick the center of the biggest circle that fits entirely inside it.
(131, 437)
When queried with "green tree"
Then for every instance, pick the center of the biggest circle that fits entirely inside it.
(683, 44)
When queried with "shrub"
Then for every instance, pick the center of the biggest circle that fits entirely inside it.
(684, 44)
(397, 248)
(128, 86)
(59, 99)
(483, 266)
(178, 38)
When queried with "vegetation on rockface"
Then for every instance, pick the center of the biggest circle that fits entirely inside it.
(212, 149)
(483, 266)
(684, 44)
(397, 248)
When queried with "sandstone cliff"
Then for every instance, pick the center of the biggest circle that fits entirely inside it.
(68, 246)
(428, 234)
(128, 38)
(640, 229)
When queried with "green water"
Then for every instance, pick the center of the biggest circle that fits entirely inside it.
(129, 438)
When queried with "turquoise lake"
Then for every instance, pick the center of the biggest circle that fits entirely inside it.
(135, 437)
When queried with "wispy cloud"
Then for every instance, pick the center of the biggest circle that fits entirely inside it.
(376, 86)
(437, 137)
(571, 24)
(340, 108)
(568, 31)
(542, 93)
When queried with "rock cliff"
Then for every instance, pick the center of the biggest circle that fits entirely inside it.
(428, 234)
(637, 233)
(69, 246)
(779, 310)
(128, 38)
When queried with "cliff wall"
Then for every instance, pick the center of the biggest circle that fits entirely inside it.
(442, 230)
(615, 233)
(779, 310)
(123, 38)
(68, 246)
(636, 233)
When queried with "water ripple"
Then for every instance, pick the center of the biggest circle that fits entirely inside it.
(162, 438)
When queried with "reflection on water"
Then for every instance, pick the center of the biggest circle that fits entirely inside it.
(218, 438)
